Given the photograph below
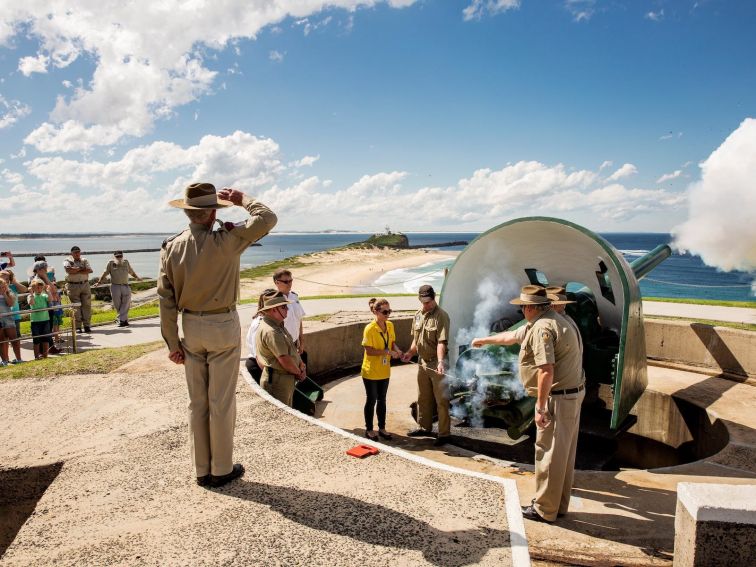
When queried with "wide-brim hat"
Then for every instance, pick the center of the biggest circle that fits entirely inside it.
(273, 300)
(531, 295)
(198, 196)
(559, 299)
(558, 295)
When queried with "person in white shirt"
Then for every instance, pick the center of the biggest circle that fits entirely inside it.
(253, 366)
(293, 322)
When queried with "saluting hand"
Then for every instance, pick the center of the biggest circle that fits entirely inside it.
(233, 195)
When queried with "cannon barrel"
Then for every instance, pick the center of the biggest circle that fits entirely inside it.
(643, 265)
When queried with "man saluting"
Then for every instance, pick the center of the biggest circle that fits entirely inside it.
(199, 277)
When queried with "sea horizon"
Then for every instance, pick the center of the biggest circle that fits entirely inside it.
(680, 276)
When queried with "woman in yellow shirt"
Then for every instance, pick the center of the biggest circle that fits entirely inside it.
(379, 341)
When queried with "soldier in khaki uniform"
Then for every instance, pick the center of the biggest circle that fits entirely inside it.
(199, 277)
(119, 270)
(430, 335)
(551, 368)
(277, 350)
(77, 287)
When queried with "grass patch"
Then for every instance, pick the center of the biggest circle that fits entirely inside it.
(322, 317)
(718, 302)
(730, 324)
(100, 361)
(268, 269)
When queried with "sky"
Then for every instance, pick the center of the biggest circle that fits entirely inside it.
(440, 115)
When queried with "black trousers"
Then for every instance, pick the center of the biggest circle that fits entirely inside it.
(254, 369)
(376, 396)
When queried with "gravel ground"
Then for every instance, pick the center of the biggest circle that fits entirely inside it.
(95, 470)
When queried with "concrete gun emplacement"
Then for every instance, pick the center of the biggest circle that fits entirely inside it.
(608, 313)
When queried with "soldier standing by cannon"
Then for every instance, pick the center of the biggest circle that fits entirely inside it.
(551, 370)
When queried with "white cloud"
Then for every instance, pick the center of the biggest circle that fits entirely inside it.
(581, 10)
(306, 161)
(138, 77)
(655, 16)
(670, 135)
(624, 171)
(481, 8)
(606, 164)
(29, 65)
(276, 56)
(11, 111)
(130, 192)
(720, 226)
(670, 176)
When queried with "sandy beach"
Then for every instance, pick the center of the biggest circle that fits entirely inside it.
(335, 272)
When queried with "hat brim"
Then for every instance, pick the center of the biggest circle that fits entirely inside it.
(278, 304)
(556, 301)
(518, 301)
(181, 204)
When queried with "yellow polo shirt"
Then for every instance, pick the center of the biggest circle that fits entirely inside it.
(377, 367)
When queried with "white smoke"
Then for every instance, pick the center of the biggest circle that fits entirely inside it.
(477, 375)
(721, 225)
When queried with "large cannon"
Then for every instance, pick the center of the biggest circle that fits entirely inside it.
(538, 250)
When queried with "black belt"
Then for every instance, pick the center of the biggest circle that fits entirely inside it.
(211, 311)
(568, 391)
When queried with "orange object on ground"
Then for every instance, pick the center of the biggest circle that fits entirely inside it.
(362, 451)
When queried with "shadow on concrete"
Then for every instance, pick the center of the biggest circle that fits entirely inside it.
(647, 520)
(718, 350)
(371, 523)
(20, 490)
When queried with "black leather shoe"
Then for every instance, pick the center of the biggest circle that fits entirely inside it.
(203, 480)
(419, 433)
(386, 435)
(87, 329)
(218, 481)
(530, 513)
(443, 440)
(123, 324)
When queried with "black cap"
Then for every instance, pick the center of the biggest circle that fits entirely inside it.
(75, 249)
(426, 291)
(118, 253)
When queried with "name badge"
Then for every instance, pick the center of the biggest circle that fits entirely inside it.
(385, 361)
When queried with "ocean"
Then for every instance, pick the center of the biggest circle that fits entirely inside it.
(680, 276)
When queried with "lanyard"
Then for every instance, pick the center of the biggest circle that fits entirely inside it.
(385, 339)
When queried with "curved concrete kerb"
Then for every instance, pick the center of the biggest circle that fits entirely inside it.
(516, 527)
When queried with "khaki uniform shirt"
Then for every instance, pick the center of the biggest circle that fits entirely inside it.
(81, 276)
(199, 268)
(429, 329)
(551, 339)
(119, 272)
(272, 341)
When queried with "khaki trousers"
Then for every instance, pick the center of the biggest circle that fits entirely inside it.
(432, 391)
(555, 455)
(121, 294)
(80, 293)
(212, 350)
(279, 385)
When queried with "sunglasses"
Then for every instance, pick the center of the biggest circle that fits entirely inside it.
(386, 312)
(286, 281)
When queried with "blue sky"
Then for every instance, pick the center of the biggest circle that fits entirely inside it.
(354, 114)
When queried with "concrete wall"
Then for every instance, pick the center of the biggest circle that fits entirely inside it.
(719, 349)
(715, 524)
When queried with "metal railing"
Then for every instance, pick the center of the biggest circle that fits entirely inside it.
(68, 307)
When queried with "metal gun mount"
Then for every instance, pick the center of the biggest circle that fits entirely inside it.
(550, 251)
